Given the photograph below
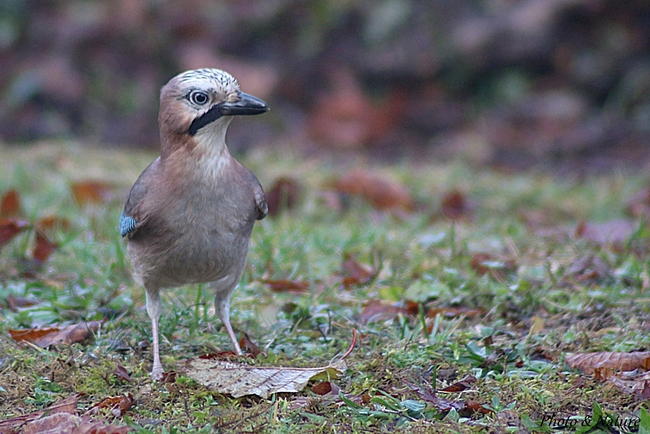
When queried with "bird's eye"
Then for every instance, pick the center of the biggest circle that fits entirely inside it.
(198, 97)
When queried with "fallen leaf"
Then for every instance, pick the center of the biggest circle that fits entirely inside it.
(239, 379)
(356, 273)
(286, 285)
(611, 232)
(461, 385)
(9, 228)
(382, 193)
(283, 195)
(483, 263)
(45, 337)
(377, 310)
(17, 302)
(250, 347)
(455, 205)
(43, 248)
(91, 192)
(118, 405)
(15, 424)
(604, 364)
(322, 388)
(53, 222)
(122, 374)
(65, 423)
(10, 204)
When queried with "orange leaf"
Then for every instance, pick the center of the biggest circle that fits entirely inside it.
(603, 364)
(455, 205)
(283, 195)
(286, 285)
(89, 192)
(382, 193)
(322, 388)
(10, 204)
(356, 273)
(43, 248)
(380, 311)
(117, 404)
(250, 347)
(9, 228)
(53, 222)
(54, 335)
(461, 385)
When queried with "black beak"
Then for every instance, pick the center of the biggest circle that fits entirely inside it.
(247, 105)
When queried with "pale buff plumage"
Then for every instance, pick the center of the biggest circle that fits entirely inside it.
(190, 214)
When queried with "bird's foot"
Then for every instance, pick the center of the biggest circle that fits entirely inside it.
(157, 373)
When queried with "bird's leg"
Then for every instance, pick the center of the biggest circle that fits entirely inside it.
(154, 309)
(222, 305)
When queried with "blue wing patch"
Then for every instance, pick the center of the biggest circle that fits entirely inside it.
(127, 224)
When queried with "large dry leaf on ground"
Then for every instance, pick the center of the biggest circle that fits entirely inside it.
(64, 423)
(16, 424)
(382, 193)
(10, 204)
(9, 228)
(239, 379)
(603, 364)
(54, 335)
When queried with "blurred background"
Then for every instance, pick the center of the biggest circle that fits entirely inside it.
(508, 83)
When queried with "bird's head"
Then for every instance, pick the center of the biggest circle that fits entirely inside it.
(196, 107)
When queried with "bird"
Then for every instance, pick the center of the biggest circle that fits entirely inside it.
(189, 216)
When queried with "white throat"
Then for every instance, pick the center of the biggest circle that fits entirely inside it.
(211, 147)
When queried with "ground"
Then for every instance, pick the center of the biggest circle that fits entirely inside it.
(470, 291)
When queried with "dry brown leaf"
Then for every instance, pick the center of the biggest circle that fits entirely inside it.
(604, 364)
(122, 374)
(377, 310)
(356, 273)
(15, 424)
(382, 193)
(455, 205)
(65, 423)
(91, 192)
(611, 232)
(9, 228)
(118, 405)
(43, 248)
(461, 385)
(454, 312)
(250, 347)
(286, 285)
(10, 204)
(53, 222)
(239, 379)
(14, 302)
(283, 195)
(322, 388)
(45, 337)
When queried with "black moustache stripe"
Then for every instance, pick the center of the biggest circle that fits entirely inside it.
(210, 116)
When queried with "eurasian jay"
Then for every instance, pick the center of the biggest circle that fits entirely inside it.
(190, 214)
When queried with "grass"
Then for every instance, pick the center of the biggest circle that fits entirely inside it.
(533, 312)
